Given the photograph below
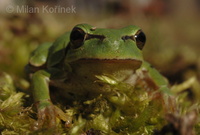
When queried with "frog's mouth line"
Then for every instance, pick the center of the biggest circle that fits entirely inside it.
(111, 62)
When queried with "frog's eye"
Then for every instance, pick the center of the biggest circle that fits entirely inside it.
(77, 38)
(140, 39)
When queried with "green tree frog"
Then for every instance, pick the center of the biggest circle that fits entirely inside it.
(74, 62)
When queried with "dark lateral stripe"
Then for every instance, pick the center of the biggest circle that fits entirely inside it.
(90, 36)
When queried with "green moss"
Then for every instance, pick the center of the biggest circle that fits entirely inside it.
(124, 110)
(14, 118)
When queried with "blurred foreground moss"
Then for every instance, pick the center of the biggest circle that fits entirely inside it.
(124, 110)
(14, 118)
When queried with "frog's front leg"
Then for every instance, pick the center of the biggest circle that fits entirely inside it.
(47, 112)
(157, 86)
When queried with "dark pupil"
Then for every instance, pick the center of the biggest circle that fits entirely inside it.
(140, 39)
(77, 38)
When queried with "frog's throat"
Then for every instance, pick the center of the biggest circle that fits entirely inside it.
(119, 69)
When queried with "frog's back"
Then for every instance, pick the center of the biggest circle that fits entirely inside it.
(58, 49)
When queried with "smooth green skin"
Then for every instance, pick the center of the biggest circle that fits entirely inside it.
(54, 61)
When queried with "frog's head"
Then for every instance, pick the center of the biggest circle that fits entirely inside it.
(90, 44)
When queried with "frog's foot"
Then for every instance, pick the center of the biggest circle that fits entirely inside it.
(49, 116)
(46, 117)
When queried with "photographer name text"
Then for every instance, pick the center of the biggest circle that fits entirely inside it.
(43, 9)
